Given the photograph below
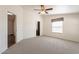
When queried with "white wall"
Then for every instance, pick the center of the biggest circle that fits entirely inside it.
(29, 22)
(71, 26)
(17, 10)
(26, 19)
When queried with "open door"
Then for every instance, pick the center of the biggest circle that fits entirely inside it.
(11, 30)
(38, 29)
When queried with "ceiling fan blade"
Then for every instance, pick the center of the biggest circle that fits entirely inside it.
(37, 9)
(49, 9)
(46, 12)
(39, 12)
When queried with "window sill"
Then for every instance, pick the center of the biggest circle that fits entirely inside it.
(57, 32)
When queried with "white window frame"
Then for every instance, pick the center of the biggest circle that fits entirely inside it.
(57, 24)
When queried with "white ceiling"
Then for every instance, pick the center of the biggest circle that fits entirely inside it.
(62, 9)
(58, 9)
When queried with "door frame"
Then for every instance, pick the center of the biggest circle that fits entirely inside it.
(15, 27)
(38, 28)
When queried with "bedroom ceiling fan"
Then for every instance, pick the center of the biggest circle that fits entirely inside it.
(43, 10)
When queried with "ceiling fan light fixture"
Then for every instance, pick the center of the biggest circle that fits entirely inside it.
(42, 12)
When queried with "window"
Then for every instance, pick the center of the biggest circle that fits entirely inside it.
(57, 25)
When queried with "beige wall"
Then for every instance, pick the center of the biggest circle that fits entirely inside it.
(17, 10)
(26, 19)
(11, 23)
(30, 22)
(71, 26)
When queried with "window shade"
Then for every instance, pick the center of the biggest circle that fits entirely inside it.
(57, 19)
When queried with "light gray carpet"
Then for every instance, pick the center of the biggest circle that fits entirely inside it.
(43, 45)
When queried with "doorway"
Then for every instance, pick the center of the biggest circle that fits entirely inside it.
(38, 29)
(11, 29)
